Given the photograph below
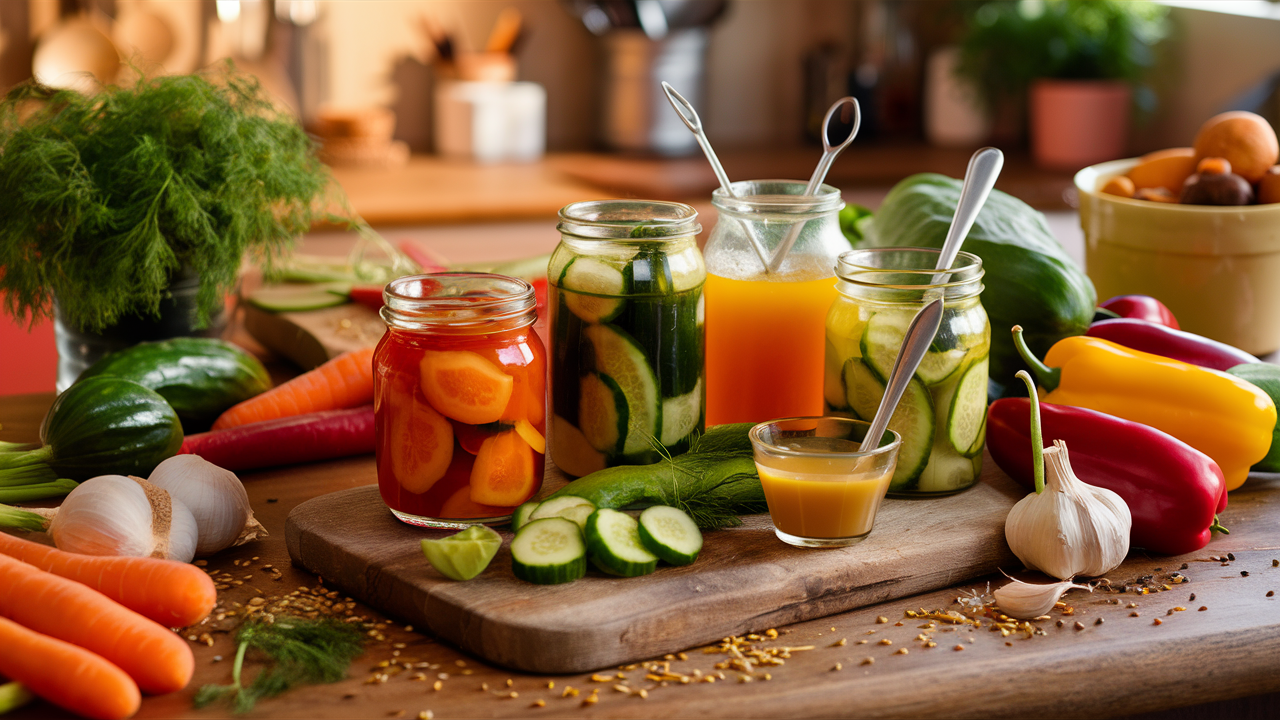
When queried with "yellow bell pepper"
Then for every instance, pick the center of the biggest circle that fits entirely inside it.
(1222, 416)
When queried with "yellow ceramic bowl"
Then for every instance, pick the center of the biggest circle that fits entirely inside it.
(1216, 268)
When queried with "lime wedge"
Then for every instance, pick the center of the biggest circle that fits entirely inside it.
(464, 555)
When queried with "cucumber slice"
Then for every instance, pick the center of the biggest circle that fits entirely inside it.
(882, 340)
(670, 534)
(681, 415)
(592, 289)
(463, 555)
(298, 297)
(602, 412)
(570, 450)
(967, 416)
(687, 270)
(914, 418)
(613, 539)
(619, 357)
(648, 273)
(946, 472)
(833, 391)
(520, 517)
(568, 507)
(549, 551)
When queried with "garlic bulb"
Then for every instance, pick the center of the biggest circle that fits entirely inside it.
(1027, 601)
(216, 498)
(117, 515)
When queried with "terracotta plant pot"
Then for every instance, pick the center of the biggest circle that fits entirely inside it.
(1076, 123)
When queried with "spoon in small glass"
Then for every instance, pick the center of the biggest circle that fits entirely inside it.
(914, 346)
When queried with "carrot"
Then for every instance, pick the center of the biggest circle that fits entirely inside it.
(173, 594)
(156, 658)
(344, 382)
(65, 675)
(286, 441)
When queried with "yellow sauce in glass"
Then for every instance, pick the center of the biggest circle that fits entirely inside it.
(816, 498)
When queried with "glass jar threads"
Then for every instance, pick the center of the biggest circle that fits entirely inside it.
(459, 398)
(627, 333)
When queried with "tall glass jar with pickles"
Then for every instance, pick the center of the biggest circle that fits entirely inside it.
(627, 334)
(943, 412)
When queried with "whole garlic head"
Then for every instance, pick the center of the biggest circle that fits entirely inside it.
(216, 498)
(117, 515)
(1072, 528)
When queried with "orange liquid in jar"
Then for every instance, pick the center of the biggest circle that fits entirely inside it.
(452, 444)
(765, 348)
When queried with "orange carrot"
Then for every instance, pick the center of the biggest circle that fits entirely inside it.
(173, 594)
(157, 659)
(344, 382)
(65, 675)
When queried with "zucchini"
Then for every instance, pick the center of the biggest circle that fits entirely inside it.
(199, 377)
(670, 534)
(549, 551)
(620, 357)
(1265, 377)
(593, 289)
(102, 425)
(614, 546)
(913, 419)
(603, 413)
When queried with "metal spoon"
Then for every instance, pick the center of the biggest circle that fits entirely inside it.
(914, 346)
(829, 153)
(979, 178)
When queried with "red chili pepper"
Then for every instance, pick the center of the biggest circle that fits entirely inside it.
(1142, 307)
(368, 295)
(1167, 342)
(286, 441)
(1173, 491)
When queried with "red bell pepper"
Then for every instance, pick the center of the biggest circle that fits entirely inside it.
(1167, 342)
(1173, 491)
(1142, 307)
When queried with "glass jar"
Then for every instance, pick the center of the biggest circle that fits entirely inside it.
(765, 329)
(626, 317)
(942, 417)
(459, 388)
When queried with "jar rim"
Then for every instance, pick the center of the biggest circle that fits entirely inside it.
(457, 299)
(776, 196)
(852, 267)
(629, 220)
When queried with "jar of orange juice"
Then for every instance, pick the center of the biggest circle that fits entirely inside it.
(765, 329)
(459, 385)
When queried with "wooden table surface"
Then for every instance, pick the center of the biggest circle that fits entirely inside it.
(1102, 661)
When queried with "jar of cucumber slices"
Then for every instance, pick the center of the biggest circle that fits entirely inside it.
(943, 412)
(627, 334)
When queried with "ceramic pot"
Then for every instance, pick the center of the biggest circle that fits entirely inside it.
(1075, 123)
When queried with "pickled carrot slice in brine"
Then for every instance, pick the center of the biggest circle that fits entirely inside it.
(504, 471)
(460, 506)
(421, 442)
(465, 386)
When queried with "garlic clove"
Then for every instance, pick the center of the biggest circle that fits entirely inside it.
(1027, 601)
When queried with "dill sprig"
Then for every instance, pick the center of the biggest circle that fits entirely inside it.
(109, 197)
(302, 652)
(713, 485)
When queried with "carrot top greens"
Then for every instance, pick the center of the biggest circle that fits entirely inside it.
(108, 197)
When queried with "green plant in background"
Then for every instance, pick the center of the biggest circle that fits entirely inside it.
(1009, 45)
(106, 198)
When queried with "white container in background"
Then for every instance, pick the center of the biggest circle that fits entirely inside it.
(490, 121)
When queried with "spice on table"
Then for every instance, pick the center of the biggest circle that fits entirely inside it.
(1244, 573)
(1271, 593)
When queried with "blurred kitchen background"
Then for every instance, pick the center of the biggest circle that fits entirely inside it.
(465, 124)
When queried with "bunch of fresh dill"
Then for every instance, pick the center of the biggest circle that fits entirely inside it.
(105, 198)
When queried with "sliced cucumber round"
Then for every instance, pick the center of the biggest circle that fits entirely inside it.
(863, 388)
(681, 415)
(670, 534)
(602, 412)
(946, 472)
(592, 289)
(568, 507)
(833, 391)
(520, 517)
(913, 420)
(882, 340)
(967, 416)
(549, 551)
(613, 539)
(570, 450)
(300, 297)
(463, 555)
(620, 357)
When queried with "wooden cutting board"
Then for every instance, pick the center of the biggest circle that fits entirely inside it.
(746, 580)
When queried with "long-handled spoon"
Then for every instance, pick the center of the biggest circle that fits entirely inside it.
(691, 120)
(979, 178)
(829, 153)
(914, 346)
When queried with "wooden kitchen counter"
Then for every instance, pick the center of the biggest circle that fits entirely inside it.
(1100, 662)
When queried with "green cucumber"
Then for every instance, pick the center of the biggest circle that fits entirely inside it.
(569, 507)
(613, 543)
(463, 555)
(520, 517)
(621, 358)
(199, 377)
(570, 450)
(913, 420)
(681, 415)
(967, 416)
(549, 551)
(593, 289)
(882, 340)
(602, 413)
(1265, 377)
(670, 534)
(300, 297)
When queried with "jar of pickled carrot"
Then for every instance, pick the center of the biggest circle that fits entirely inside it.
(460, 400)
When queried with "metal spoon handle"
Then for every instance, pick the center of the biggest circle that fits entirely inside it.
(924, 326)
(979, 179)
(685, 110)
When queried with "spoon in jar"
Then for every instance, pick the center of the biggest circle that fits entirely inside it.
(850, 108)
(924, 326)
(691, 120)
(979, 179)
